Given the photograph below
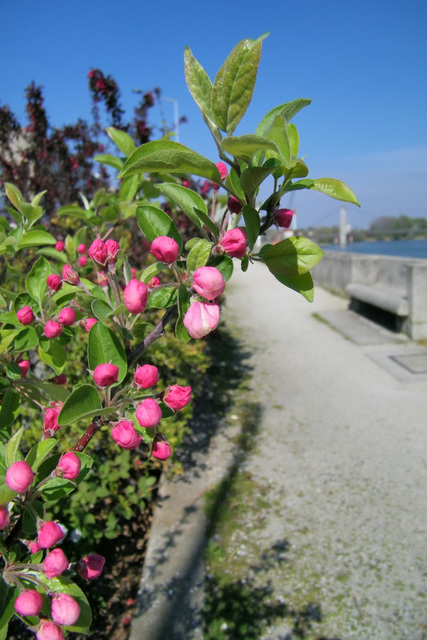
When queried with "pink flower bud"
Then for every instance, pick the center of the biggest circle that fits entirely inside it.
(24, 366)
(49, 631)
(208, 282)
(61, 379)
(54, 282)
(234, 205)
(283, 218)
(33, 546)
(177, 397)
(81, 249)
(135, 296)
(165, 249)
(161, 449)
(125, 435)
(69, 466)
(82, 260)
(234, 243)
(148, 413)
(91, 566)
(29, 603)
(52, 329)
(55, 563)
(4, 517)
(88, 323)
(50, 421)
(19, 476)
(186, 183)
(133, 272)
(113, 248)
(98, 252)
(105, 375)
(25, 315)
(70, 275)
(102, 279)
(50, 533)
(201, 318)
(65, 610)
(67, 316)
(146, 376)
(60, 246)
(154, 282)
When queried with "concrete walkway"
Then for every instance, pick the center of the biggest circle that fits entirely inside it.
(342, 453)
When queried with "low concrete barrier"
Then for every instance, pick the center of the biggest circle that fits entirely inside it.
(396, 285)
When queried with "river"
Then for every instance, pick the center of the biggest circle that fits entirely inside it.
(403, 248)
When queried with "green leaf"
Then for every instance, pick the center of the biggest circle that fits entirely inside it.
(51, 390)
(129, 187)
(299, 169)
(9, 410)
(224, 264)
(152, 271)
(335, 189)
(293, 136)
(286, 110)
(12, 448)
(278, 133)
(190, 203)
(55, 357)
(234, 84)
(199, 254)
(8, 595)
(293, 256)
(50, 252)
(104, 346)
(101, 310)
(61, 584)
(14, 195)
(252, 222)
(163, 298)
(233, 182)
(155, 222)
(112, 161)
(303, 284)
(39, 452)
(6, 493)
(122, 140)
(246, 146)
(26, 339)
(57, 488)
(35, 238)
(198, 83)
(36, 279)
(82, 401)
(37, 198)
(170, 157)
(183, 305)
(252, 177)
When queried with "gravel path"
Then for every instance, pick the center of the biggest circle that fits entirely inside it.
(343, 451)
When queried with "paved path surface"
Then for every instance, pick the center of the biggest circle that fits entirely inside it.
(342, 453)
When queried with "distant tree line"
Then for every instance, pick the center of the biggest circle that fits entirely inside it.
(382, 228)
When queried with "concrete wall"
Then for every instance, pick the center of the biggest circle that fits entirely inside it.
(406, 277)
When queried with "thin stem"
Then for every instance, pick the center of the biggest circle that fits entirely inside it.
(158, 330)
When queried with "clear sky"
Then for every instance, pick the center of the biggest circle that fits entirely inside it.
(363, 63)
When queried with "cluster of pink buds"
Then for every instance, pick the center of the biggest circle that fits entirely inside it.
(104, 253)
(82, 259)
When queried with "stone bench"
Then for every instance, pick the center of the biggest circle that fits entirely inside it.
(395, 285)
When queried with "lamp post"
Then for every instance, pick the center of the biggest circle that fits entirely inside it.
(175, 115)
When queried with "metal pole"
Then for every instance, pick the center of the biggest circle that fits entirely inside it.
(343, 227)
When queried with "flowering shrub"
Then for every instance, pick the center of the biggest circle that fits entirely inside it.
(107, 299)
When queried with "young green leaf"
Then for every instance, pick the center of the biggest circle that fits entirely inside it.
(9, 410)
(190, 203)
(155, 222)
(286, 110)
(162, 298)
(14, 195)
(293, 256)
(36, 279)
(12, 448)
(112, 161)
(252, 222)
(303, 284)
(122, 140)
(234, 84)
(39, 452)
(54, 356)
(35, 238)
(82, 401)
(278, 133)
(199, 254)
(104, 346)
(166, 156)
(224, 264)
(246, 146)
(198, 83)
(252, 177)
(335, 189)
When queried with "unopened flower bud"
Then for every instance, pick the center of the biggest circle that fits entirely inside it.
(208, 282)
(234, 243)
(88, 323)
(177, 397)
(69, 466)
(102, 279)
(91, 566)
(223, 172)
(29, 603)
(165, 249)
(234, 205)
(19, 476)
(61, 379)
(135, 296)
(49, 631)
(283, 218)
(125, 435)
(81, 249)
(24, 366)
(54, 282)
(50, 420)
(65, 610)
(4, 516)
(161, 448)
(105, 375)
(113, 248)
(82, 260)
(25, 315)
(55, 563)
(98, 252)
(70, 275)
(50, 533)
(146, 376)
(148, 413)
(60, 246)
(154, 282)
(67, 316)
(52, 329)
(201, 318)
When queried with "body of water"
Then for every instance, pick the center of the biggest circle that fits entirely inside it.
(402, 248)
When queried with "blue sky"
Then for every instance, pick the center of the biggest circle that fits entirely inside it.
(362, 63)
